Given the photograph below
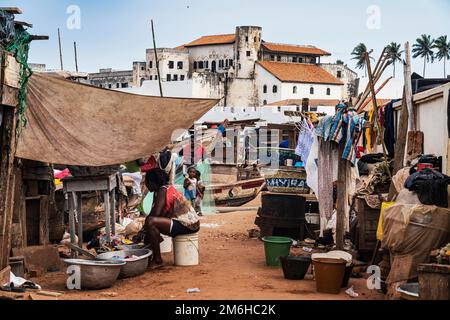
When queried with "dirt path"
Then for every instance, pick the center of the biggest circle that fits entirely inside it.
(231, 267)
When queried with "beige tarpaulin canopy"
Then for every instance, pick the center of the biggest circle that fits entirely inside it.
(76, 124)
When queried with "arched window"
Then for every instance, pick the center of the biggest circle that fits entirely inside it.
(311, 90)
(275, 89)
(294, 90)
(328, 91)
(279, 109)
(264, 103)
(265, 89)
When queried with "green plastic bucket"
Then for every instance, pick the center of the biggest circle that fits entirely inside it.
(276, 247)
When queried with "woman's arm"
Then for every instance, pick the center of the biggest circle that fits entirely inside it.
(158, 204)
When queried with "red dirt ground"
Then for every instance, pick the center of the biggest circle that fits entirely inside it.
(232, 267)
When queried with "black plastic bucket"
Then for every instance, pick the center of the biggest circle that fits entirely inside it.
(295, 268)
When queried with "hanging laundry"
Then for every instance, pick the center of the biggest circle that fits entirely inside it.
(327, 172)
(389, 132)
(305, 141)
(311, 166)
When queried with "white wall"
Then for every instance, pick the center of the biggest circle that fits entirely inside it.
(210, 53)
(263, 77)
(303, 91)
(432, 121)
(164, 56)
(285, 89)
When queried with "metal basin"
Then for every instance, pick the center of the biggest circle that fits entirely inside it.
(134, 266)
(95, 274)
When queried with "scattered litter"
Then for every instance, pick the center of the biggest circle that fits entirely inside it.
(295, 243)
(193, 290)
(19, 282)
(109, 294)
(254, 233)
(351, 292)
(306, 249)
(49, 293)
(210, 225)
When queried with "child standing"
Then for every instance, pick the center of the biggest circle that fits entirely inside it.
(200, 194)
(190, 185)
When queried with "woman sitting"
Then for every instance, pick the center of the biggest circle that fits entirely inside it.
(171, 214)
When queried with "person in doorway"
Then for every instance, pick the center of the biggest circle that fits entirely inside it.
(171, 214)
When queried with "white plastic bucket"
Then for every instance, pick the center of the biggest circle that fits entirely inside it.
(185, 250)
(166, 245)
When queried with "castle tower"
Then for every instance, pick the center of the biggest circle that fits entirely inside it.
(247, 46)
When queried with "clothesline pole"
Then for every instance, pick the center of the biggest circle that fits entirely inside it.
(341, 198)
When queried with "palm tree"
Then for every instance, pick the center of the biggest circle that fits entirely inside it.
(394, 54)
(424, 48)
(443, 50)
(359, 54)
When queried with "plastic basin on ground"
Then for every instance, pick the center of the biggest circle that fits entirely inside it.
(295, 268)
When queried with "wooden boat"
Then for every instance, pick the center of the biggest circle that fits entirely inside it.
(236, 193)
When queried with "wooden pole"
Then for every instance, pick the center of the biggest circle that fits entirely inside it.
(7, 150)
(156, 60)
(60, 51)
(341, 198)
(375, 108)
(76, 57)
(408, 88)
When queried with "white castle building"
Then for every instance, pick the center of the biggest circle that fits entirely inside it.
(241, 69)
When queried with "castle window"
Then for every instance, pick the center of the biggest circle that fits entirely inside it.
(339, 74)
(117, 85)
(248, 53)
(171, 64)
(311, 90)
(246, 39)
(195, 65)
(328, 91)
(265, 89)
(264, 103)
(175, 77)
(156, 77)
(206, 64)
(231, 62)
(150, 64)
(180, 65)
(151, 77)
(255, 39)
(142, 68)
(279, 109)
(200, 64)
(169, 77)
(294, 90)
(109, 86)
(182, 77)
(125, 85)
(274, 89)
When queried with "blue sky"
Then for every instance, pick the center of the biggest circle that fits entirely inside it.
(114, 33)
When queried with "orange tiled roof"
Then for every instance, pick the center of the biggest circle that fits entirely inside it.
(299, 72)
(289, 48)
(211, 40)
(312, 102)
